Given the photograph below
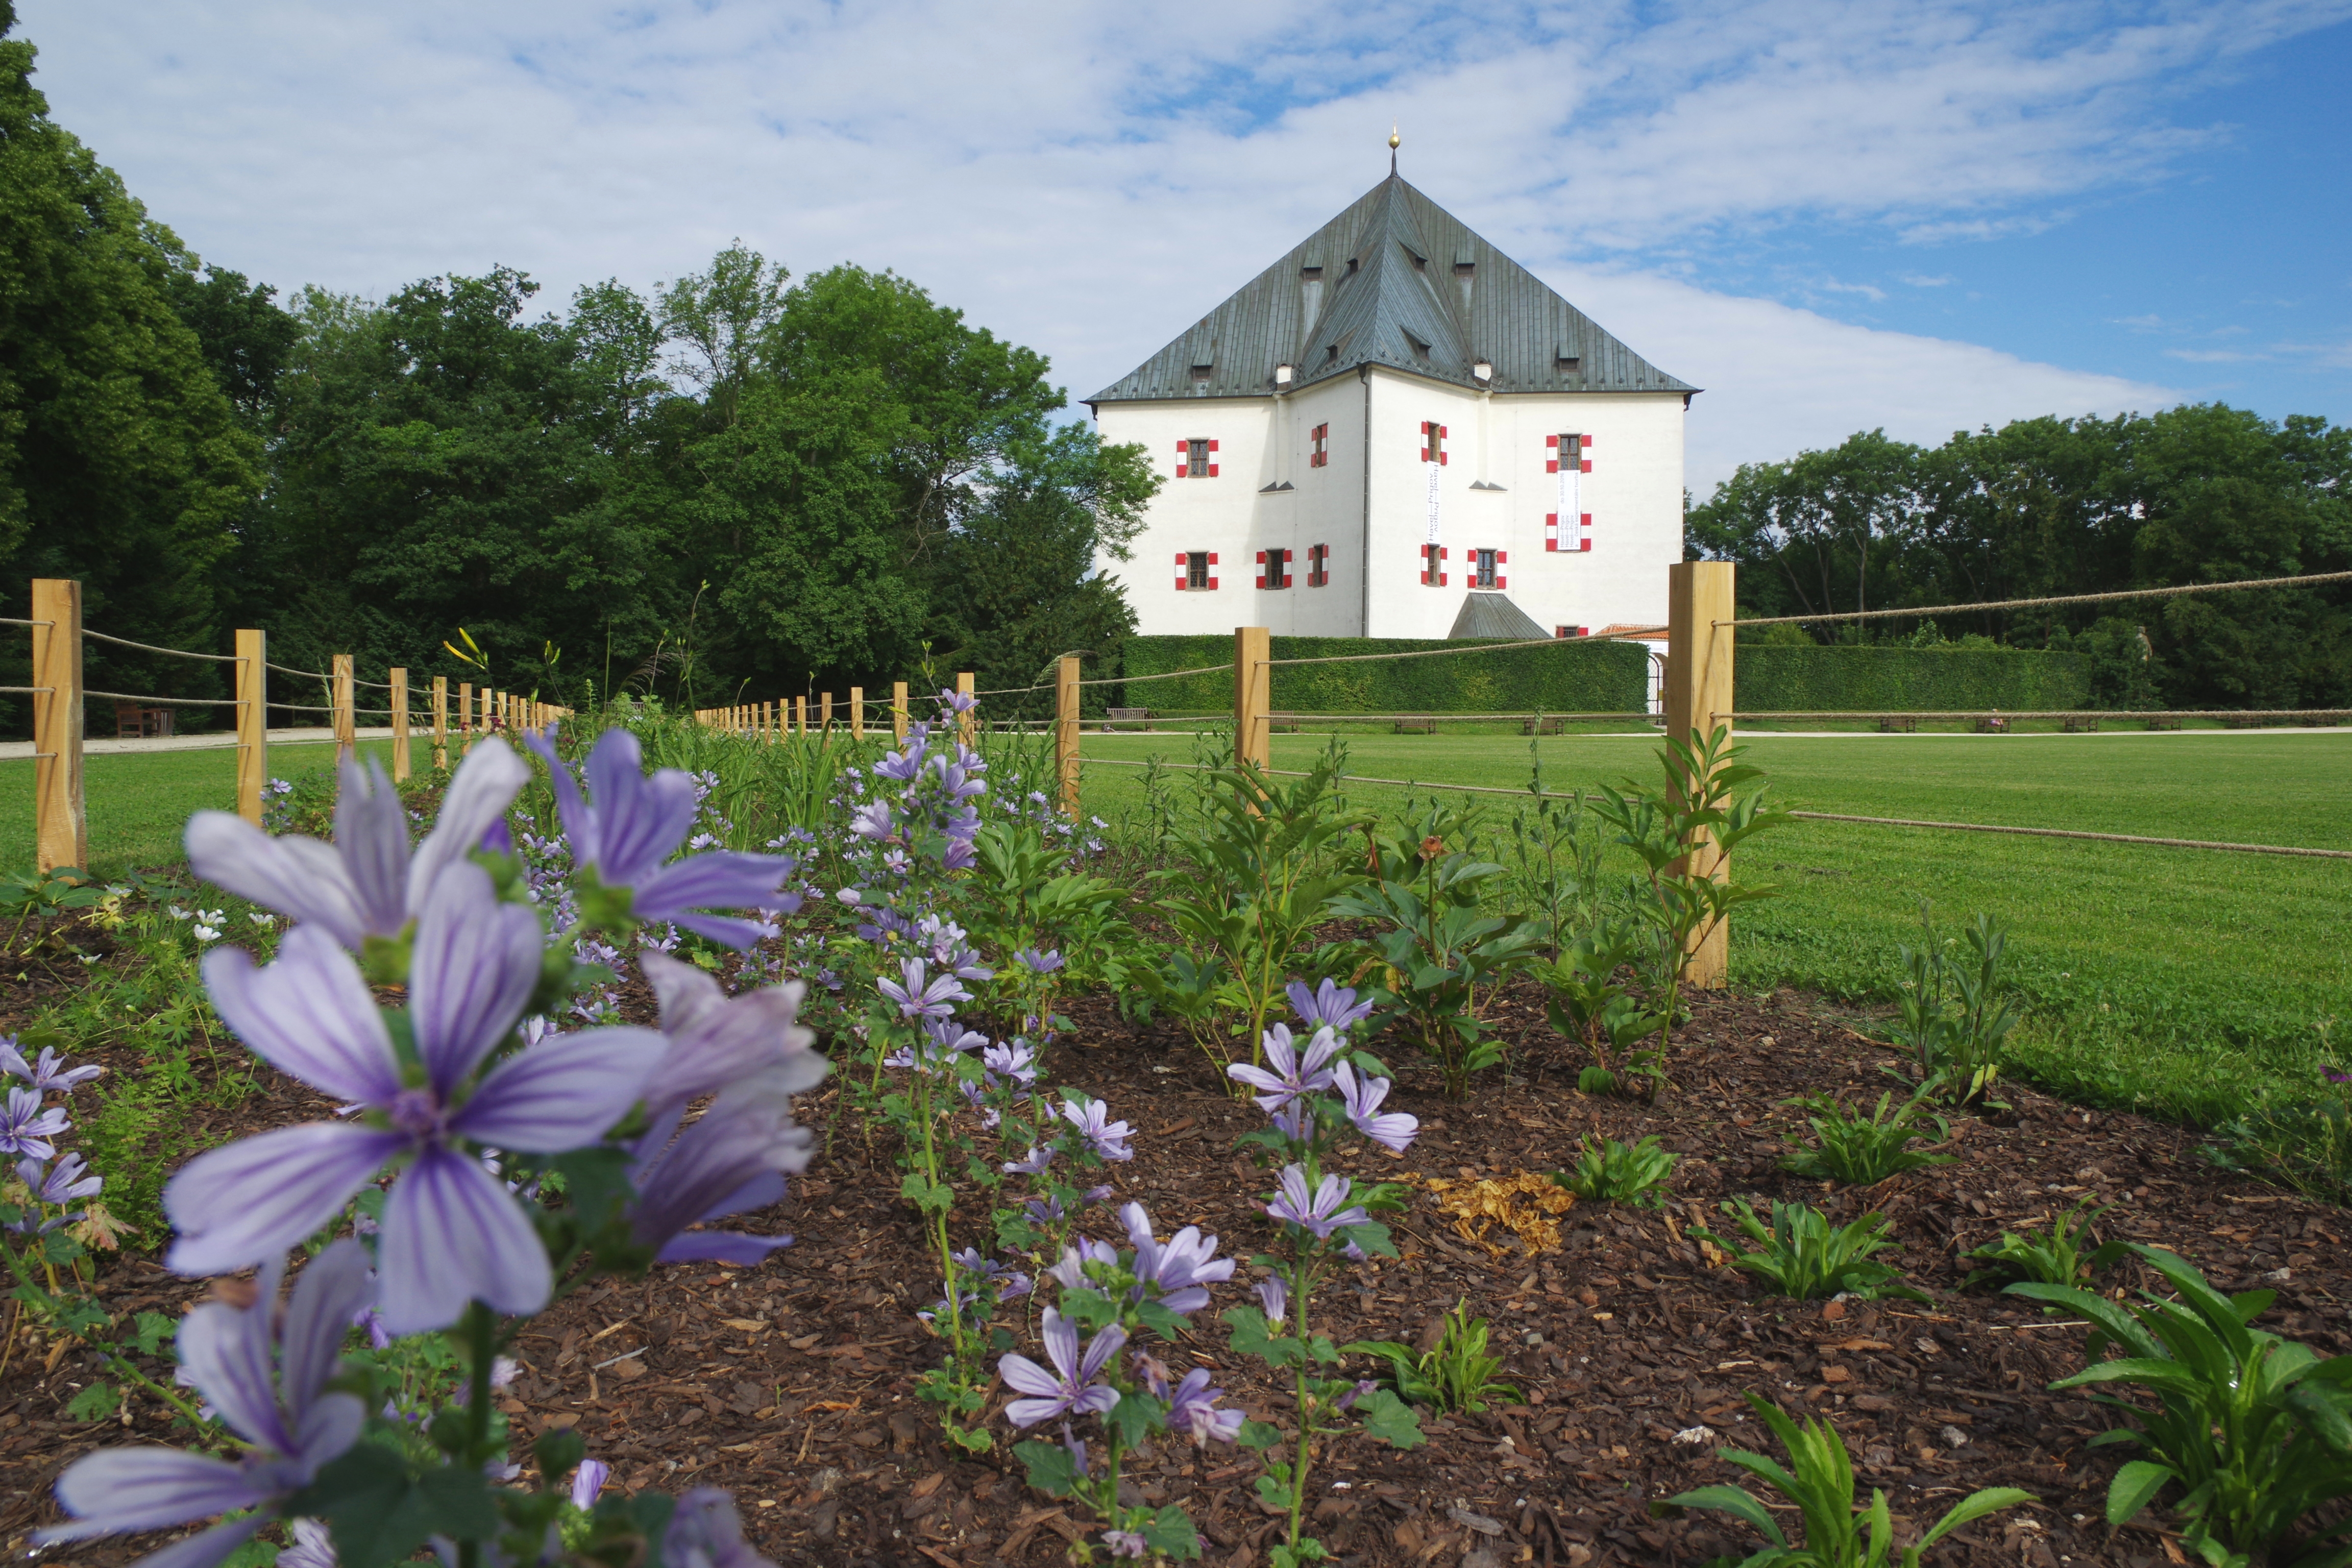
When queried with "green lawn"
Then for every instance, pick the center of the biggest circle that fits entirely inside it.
(2180, 980)
(139, 802)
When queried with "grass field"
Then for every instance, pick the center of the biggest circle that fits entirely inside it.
(2177, 981)
(2182, 982)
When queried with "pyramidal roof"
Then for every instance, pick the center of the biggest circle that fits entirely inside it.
(1395, 280)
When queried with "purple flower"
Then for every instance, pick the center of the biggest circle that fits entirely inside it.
(366, 883)
(1276, 1295)
(61, 1184)
(586, 1482)
(957, 703)
(1365, 1388)
(1034, 1165)
(1038, 962)
(1125, 1544)
(715, 1040)
(1071, 1271)
(271, 1391)
(1293, 1074)
(1193, 1409)
(1328, 1007)
(731, 1158)
(1392, 1130)
(1321, 1214)
(705, 1532)
(918, 999)
(1295, 1122)
(1016, 1060)
(1107, 1139)
(452, 1232)
(25, 1128)
(873, 820)
(637, 823)
(313, 1547)
(48, 1073)
(1070, 1389)
(1182, 1268)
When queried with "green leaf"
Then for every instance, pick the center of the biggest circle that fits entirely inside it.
(1309, 1550)
(929, 1196)
(1251, 1336)
(2132, 1490)
(1171, 1530)
(1135, 1418)
(153, 1329)
(972, 1439)
(1272, 1493)
(1392, 1421)
(1737, 1500)
(1258, 1436)
(95, 1403)
(1052, 1471)
(1159, 1320)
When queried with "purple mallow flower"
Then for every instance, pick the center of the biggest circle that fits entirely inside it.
(1071, 1271)
(1276, 1295)
(1107, 1139)
(314, 1546)
(25, 1128)
(587, 1481)
(637, 823)
(1070, 1389)
(705, 1532)
(366, 883)
(1328, 1007)
(715, 1040)
(731, 1158)
(271, 1391)
(1193, 1409)
(873, 820)
(452, 1233)
(61, 1184)
(1034, 1165)
(922, 998)
(1294, 1074)
(1015, 1060)
(1322, 1213)
(1391, 1130)
(49, 1072)
(1183, 1267)
(1039, 963)
(1125, 1544)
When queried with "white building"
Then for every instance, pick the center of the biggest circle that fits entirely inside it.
(1396, 431)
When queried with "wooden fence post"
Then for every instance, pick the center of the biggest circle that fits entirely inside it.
(345, 698)
(252, 722)
(1066, 731)
(1699, 596)
(799, 713)
(399, 725)
(898, 711)
(466, 717)
(965, 723)
(857, 713)
(440, 720)
(1253, 687)
(824, 713)
(61, 828)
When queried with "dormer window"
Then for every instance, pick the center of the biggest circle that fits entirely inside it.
(1312, 272)
(1420, 349)
(1569, 363)
(1201, 374)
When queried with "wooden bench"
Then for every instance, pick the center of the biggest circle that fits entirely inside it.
(1416, 726)
(1128, 715)
(2163, 723)
(2082, 724)
(1992, 724)
(1898, 724)
(1546, 726)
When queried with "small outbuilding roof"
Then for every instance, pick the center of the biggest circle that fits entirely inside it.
(1395, 280)
(1485, 613)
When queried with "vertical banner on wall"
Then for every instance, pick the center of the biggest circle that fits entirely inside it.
(1571, 520)
(1432, 539)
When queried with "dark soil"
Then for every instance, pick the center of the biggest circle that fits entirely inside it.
(791, 1383)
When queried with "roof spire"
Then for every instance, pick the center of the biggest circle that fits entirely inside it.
(1396, 140)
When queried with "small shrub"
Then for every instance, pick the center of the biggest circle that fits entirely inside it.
(1454, 1378)
(1803, 1257)
(2255, 1430)
(2058, 1258)
(2303, 1144)
(1819, 1481)
(1610, 1171)
(1585, 1003)
(1955, 1015)
(1861, 1151)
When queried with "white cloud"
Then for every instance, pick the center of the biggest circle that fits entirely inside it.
(1087, 179)
(1918, 281)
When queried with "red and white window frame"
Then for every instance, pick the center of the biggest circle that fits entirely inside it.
(1571, 631)
(1318, 447)
(1432, 443)
(1434, 556)
(1569, 529)
(1184, 570)
(1477, 562)
(1273, 568)
(1184, 459)
(1319, 565)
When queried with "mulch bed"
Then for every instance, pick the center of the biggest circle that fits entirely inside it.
(791, 1383)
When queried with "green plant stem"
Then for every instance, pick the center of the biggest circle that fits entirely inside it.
(1299, 1284)
(49, 1309)
(940, 1234)
(481, 1334)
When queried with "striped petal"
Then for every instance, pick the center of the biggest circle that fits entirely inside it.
(263, 1196)
(452, 1234)
(562, 1093)
(486, 783)
(118, 1490)
(226, 1350)
(476, 960)
(330, 1293)
(297, 877)
(371, 835)
(309, 1014)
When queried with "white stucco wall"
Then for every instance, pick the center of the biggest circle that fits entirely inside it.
(1634, 494)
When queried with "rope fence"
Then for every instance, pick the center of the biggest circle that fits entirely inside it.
(1928, 612)
(150, 648)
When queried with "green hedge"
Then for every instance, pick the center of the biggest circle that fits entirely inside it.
(1899, 679)
(1574, 676)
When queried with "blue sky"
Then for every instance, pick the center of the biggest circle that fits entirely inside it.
(1833, 215)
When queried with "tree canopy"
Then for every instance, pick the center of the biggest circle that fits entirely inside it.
(2052, 507)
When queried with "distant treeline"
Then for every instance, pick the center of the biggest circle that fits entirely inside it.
(736, 486)
(2049, 507)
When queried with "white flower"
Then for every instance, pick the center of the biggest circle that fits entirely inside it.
(263, 921)
(206, 933)
(178, 913)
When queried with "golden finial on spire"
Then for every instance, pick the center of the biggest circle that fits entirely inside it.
(1395, 141)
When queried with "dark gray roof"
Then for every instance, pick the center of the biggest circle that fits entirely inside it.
(1394, 280)
(1491, 615)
